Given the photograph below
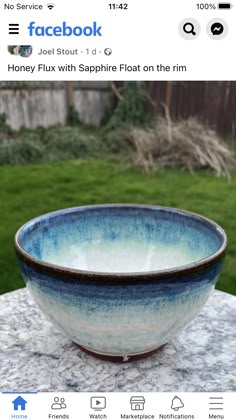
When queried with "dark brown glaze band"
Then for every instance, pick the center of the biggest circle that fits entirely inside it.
(118, 278)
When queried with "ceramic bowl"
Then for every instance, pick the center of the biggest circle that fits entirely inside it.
(120, 280)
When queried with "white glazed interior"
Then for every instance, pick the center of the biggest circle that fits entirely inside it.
(124, 256)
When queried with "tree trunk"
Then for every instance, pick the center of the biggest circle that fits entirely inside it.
(70, 98)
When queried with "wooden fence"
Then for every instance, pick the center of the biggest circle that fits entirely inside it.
(212, 102)
(32, 104)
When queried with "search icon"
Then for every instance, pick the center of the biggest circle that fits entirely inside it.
(189, 28)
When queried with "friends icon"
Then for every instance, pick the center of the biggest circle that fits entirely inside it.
(58, 404)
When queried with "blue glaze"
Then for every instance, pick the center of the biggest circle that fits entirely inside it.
(72, 226)
(126, 239)
(120, 314)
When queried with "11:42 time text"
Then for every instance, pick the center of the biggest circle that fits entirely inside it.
(114, 6)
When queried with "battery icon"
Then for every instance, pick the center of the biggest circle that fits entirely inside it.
(224, 5)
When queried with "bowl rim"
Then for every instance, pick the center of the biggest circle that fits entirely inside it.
(67, 272)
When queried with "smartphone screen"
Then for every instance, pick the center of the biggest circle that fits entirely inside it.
(117, 204)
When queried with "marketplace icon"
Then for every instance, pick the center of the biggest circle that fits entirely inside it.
(137, 403)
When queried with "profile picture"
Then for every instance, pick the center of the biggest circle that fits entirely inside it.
(22, 50)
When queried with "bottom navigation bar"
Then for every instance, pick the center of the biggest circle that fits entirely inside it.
(117, 406)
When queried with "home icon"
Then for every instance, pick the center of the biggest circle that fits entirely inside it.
(19, 402)
(137, 403)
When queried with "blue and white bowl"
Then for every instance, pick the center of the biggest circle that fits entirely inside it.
(120, 280)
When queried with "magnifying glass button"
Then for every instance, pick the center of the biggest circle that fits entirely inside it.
(189, 28)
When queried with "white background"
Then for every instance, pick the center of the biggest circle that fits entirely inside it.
(78, 405)
(145, 34)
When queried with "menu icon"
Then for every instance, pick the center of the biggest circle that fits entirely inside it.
(14, 28)
(216, 403)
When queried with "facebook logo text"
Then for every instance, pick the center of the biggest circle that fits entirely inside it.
(65, 30)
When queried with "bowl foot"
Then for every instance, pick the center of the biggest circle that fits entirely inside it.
(117, 358)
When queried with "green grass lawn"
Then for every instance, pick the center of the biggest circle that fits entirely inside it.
(28, 191)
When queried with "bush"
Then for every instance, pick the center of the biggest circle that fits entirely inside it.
(4, 127)
(131, 108)
(17, 152)
(184, 144)
(116, 141)
(72, 118)
(69, 143)
(44, 145)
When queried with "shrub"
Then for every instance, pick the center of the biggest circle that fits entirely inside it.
(182, 144)
(43, 145)
(72, 118)
(4, 127)
(17, 152)
(131, 107)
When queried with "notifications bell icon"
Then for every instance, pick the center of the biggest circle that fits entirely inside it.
(176, 403)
